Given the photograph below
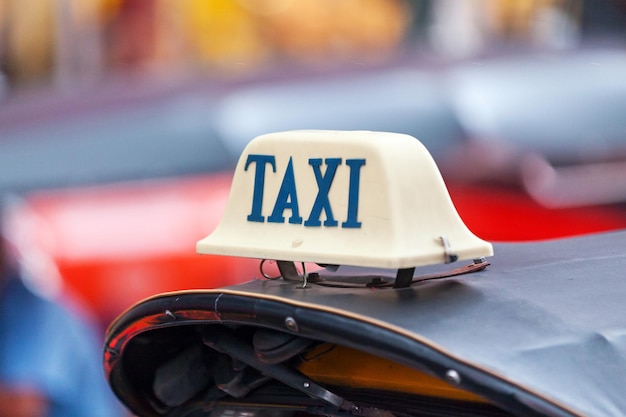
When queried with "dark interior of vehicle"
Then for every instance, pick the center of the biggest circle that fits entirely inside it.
(219, 370)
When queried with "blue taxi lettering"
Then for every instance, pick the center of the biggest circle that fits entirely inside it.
(353, 193)
(287, 198)
(323, 186)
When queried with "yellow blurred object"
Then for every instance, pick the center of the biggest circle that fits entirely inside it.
(30, 38)
(222, 32)
(517, 19)
(78, 40)
(314, 30)
(342, 366)
(245, 34)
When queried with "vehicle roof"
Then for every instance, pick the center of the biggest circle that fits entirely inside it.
(544, 320)
(99, 136)
(537, 103)
(542, 315)
(94, 135)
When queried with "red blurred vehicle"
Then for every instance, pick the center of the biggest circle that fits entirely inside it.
(115, 245)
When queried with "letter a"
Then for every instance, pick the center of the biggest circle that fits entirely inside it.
(287, 199)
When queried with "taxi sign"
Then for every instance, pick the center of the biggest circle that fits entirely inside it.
(358, 198)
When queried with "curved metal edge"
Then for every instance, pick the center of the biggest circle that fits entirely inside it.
(315, 322)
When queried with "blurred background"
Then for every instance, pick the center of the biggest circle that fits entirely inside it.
(69, 43)
(121, 120)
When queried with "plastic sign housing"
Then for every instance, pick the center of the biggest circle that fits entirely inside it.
(341, 197)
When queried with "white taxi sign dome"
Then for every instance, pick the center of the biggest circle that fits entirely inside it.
(341, 197)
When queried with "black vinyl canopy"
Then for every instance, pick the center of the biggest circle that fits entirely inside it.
(541, 331)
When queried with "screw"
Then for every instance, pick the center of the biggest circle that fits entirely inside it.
(291, 324)
(453, 377)
(306, 385)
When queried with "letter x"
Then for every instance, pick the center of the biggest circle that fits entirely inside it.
(323, 184)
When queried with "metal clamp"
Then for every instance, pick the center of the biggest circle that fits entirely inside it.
(447, 250)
